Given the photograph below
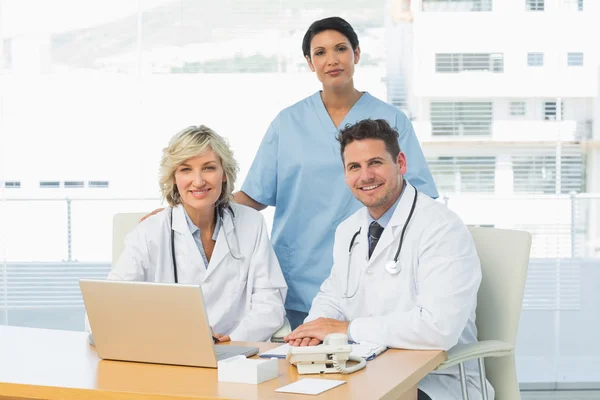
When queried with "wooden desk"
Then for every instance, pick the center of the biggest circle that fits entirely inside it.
(48, 364)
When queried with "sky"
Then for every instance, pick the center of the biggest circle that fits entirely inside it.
(17, 18)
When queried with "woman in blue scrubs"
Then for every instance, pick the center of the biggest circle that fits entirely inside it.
(298, 169)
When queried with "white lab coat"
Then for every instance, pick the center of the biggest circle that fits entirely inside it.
(244, 298)
(429, 304)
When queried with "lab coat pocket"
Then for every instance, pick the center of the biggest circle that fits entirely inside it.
(400, 287)
(238, 270)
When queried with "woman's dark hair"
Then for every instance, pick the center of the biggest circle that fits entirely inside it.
(331, 23)
(370, 129)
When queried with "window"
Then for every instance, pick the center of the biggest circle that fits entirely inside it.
(518, 108)
(575, 59)
(73, 184)
(534, 5)
(464, 174)
(538, 173)
(461, 118)
(457, 5)
(78, 59)
(575, 5)
(12, 184)
(497, 61)
(535, 59)
(550, 111)
(6, 59)
(49, 184)
(98, 184)
(457, 62)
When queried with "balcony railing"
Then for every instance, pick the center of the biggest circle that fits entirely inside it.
(510, 131)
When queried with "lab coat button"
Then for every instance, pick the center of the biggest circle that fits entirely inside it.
(369, 271)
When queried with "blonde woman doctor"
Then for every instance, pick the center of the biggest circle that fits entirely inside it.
(205, 238)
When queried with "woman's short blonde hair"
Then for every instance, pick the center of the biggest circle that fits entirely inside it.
(192, 142)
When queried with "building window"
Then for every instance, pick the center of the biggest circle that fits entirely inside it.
(98, 184)
(550, 111)
(456, 5)
(6, 59)
(12, 184)
(49, 184)
(576, 5)
(538, 173)
(497, 61)
(534, 5)
(518, 108)
(461, 118)
(535, 59)
(74, 184)
(464, 174)
(575, 59)
(458, 62)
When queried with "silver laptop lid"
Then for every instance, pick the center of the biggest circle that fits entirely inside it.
(149, 322)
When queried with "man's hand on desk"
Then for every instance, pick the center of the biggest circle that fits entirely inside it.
(314, 332)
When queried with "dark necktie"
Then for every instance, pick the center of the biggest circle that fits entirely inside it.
(375, 231)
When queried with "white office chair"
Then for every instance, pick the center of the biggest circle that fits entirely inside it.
(125, 222)
(504, 256)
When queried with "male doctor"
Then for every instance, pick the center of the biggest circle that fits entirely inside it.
(405, 270)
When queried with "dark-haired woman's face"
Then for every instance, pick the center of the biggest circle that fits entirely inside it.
(332, 58)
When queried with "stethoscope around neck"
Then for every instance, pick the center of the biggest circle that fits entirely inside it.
(220, 212)
(391, 266)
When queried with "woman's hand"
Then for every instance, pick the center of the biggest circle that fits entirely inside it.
(152, 213)
(222, 338)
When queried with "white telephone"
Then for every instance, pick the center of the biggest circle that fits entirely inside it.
(328, 358)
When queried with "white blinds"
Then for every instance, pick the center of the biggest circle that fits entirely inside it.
(458, 62)
(457, 5)
(550, 171)
(474, 174)
(535, 5)
(461, 118)
(46, 285)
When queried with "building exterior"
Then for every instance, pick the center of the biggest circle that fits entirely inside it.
(504, 96)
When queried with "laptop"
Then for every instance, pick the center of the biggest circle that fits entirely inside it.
(154, 323)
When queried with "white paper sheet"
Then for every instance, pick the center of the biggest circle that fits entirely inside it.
(279, 352)
(310, 386)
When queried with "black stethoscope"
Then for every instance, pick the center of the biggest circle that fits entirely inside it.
(391, 266)
(237, 256)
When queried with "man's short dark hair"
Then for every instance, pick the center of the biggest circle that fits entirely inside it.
(331, 23)
(370, 129)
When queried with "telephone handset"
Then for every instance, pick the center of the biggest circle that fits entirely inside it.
(328, 358)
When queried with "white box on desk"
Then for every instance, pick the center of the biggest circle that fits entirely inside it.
(240, 369)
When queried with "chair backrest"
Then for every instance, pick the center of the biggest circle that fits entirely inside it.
(504, 256)
(122, 224)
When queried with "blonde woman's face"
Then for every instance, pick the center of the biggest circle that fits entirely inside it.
(200, 180)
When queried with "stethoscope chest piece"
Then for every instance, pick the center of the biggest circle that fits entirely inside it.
(393, 267)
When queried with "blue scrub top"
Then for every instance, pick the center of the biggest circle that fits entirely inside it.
(298, 169)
